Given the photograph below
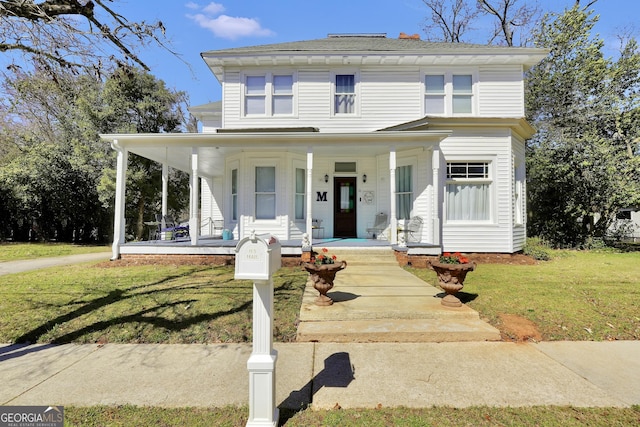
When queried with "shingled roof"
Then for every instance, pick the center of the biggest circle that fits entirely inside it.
(352, 43)
(355, 49)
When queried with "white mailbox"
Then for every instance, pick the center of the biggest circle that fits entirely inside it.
(258, 257)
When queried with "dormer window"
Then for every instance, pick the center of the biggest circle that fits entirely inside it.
(269, 94)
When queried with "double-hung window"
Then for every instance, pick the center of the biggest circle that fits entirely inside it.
(265, 191)
(255, 95)
(448, 94)
(345, 94)
(234, 194)
(282, 95)
(300, 193)
(269, 94)
(462, 97)
(404, 191)
(434, 94)
(468, 191)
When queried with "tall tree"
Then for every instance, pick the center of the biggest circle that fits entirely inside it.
(136, 102)
(58, 180)
(53, 146)
(582, 164)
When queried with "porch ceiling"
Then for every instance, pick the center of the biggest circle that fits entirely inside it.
(175, 149)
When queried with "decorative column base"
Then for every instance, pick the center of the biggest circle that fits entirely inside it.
(262, 390)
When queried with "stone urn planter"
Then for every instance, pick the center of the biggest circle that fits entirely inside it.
(322, 276)
(451, 280)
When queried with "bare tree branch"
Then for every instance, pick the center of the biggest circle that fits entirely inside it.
(449, 20)
(75, 33)
(509, 17)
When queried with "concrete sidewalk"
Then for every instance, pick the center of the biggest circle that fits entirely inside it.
(20, 266)
(354, 375)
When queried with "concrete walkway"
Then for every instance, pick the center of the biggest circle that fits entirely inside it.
(20, 266)
(321, 374)
(355, 375)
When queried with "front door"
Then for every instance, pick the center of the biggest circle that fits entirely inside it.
(344, 207)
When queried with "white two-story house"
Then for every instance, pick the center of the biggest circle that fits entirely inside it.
(321, 136)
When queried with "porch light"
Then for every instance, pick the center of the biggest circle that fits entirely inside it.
(326, 178)
(364, 178)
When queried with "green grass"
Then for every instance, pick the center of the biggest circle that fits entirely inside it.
(19, 251)
(592, 295)
(140, 304)
(598, 291)
(476, 416)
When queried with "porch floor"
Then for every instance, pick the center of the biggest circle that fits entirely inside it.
(216, 246)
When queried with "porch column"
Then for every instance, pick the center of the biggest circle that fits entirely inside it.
(435, 166)
(393, 220)
(165, 192)
(118, 214)
(309, 195)
(194, 199)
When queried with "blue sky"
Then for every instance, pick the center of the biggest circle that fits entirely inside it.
(195, 26)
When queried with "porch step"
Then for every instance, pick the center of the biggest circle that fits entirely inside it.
(364, 256)
(375, 300)
(397, 330)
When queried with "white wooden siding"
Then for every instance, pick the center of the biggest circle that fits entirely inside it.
(519, 230)
(482, 237)
(231, 98)
(386, 97)
(501, 91)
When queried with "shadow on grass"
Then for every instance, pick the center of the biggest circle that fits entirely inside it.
(338, 372)
(143, 316)
(146, 314)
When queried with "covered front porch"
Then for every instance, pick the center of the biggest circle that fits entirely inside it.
(223, 169)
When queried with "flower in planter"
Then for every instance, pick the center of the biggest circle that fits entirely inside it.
(455, 258)
(324, 258)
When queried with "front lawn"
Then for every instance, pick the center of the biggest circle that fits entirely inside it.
(19, 251)
(589, 295)
(126, 416)
(140, 304)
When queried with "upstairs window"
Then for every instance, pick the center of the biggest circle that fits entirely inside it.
(345, 94)
(282, 95)
(269, 94)
(462, 94)
(468, 191)
(448, 94)
(434, 95)
(255, 95)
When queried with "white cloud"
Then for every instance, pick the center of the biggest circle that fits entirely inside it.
(225, 26)
(192, 5)
(213, 9)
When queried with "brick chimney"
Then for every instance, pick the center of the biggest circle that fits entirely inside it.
(407, 36)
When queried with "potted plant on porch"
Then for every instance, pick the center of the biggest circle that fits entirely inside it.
(452, 269)
(323, 269)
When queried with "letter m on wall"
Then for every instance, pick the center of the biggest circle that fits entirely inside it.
(321, 196)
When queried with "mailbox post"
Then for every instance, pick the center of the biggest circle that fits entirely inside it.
(257, 258)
